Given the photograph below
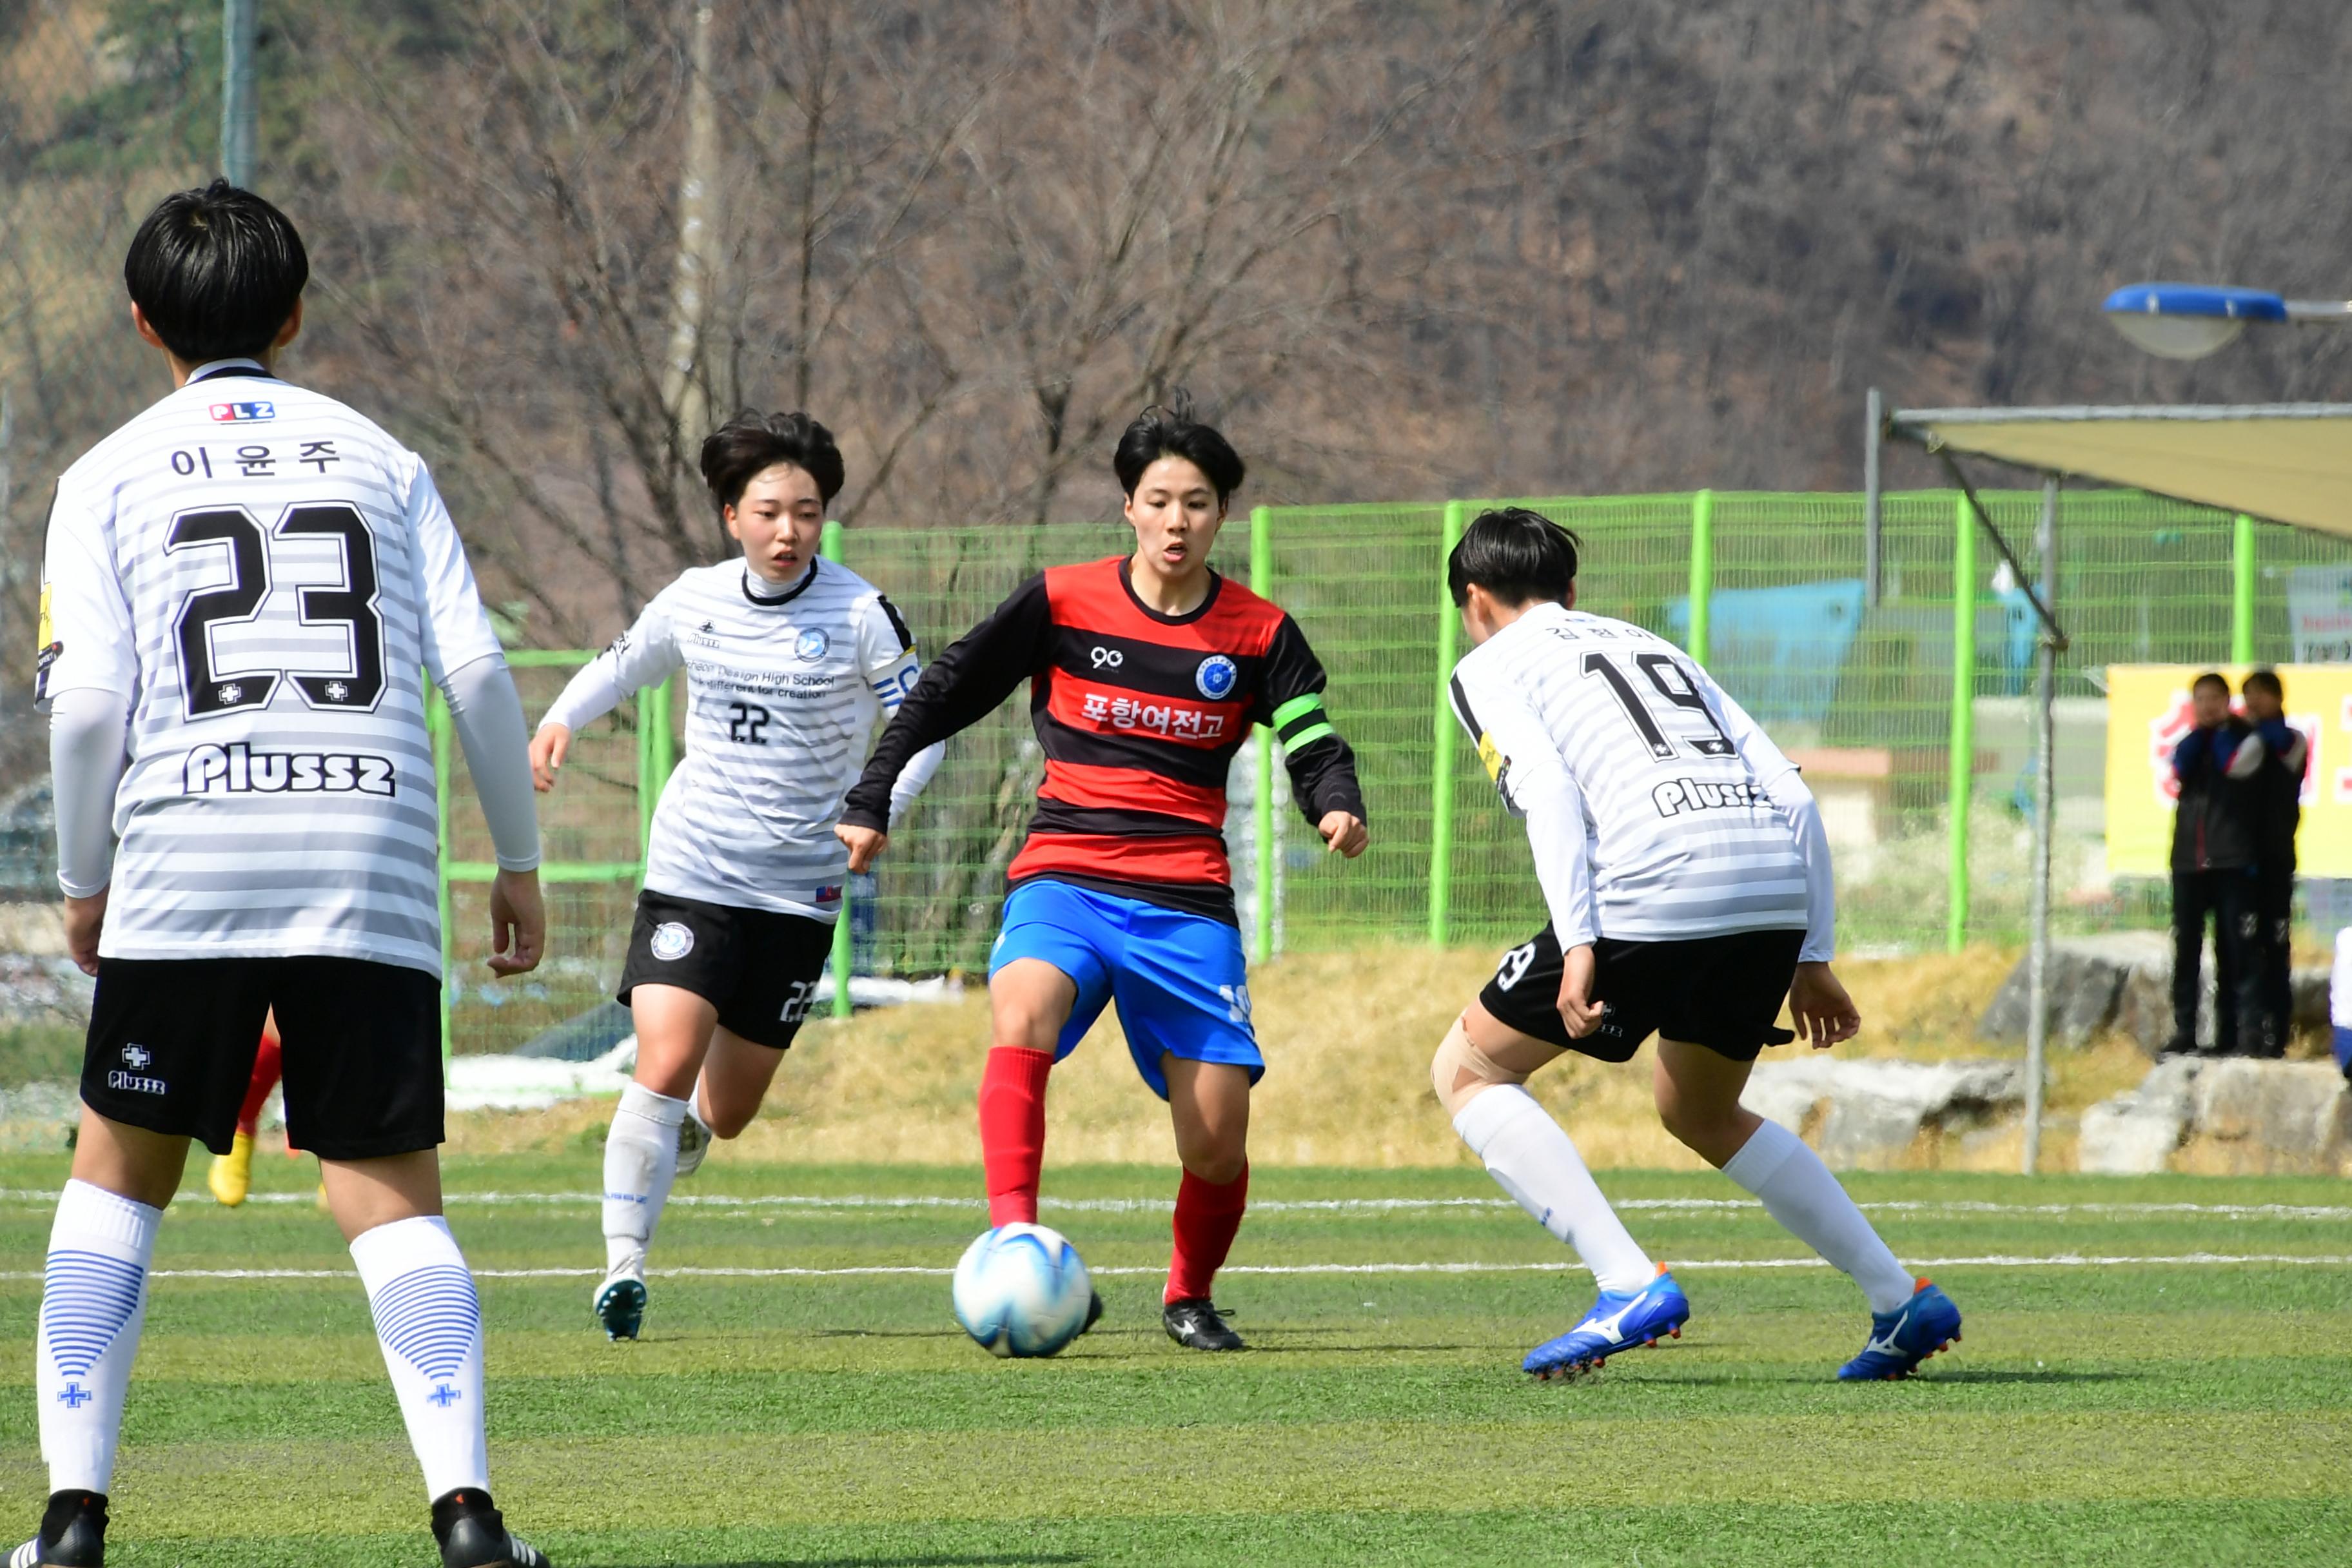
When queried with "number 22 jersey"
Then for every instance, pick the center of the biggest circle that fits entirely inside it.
(260, 571)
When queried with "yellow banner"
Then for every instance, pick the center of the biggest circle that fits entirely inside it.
(2148, 712)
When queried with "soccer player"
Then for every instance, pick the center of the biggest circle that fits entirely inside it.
(1145, 673)
(1689, 882)
(792, 662)
(231, 1176)
(2285, 756)
(239, 588)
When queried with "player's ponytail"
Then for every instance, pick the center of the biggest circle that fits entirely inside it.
(739, 450)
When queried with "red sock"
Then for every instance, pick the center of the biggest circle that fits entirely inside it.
(1013, 1131)
(1207, 1217)
(265, 1066)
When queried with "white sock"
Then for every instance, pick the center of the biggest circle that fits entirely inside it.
(94, 1304)
(1534, 1161)
(1799, 1191)
(429, 1322)
(640, 1163)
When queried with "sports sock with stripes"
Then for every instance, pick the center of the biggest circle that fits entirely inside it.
(640, 1164)
(1533, 1159)
(94, 1304)
(1013, 1131)
(429, 1322)
(1208, 1215)
(1798, 1190)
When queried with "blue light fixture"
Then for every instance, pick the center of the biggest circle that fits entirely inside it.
(2190, 321)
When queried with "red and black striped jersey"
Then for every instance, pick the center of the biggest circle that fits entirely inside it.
(1140, 715)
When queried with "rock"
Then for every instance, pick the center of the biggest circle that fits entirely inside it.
(2122, 981)
(2135, 1132)
(2258, 1117)
(1871, 1111)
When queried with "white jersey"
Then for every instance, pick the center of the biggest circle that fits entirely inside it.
(260, 571)
(785, 689)
(1682, 819)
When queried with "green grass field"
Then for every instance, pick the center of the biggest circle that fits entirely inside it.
(2112, 1409)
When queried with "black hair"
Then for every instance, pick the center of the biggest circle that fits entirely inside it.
(2264, 681)
(2210, 677)
(1515, 554)
(217, 272)
(751, 442)
(1172, 432)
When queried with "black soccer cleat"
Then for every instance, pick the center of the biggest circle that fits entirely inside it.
(72, 1534)
(473, 1534)
(1195, 1323)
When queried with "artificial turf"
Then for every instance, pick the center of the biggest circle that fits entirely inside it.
(2116, 1410)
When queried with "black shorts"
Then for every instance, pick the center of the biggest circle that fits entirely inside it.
(171, 1042)
(1720, 991)
(758, 967)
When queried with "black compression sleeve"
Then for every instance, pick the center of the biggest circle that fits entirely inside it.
(1322, 766)
(958, 690)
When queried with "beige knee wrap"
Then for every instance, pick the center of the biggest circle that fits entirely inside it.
(1460, 1069)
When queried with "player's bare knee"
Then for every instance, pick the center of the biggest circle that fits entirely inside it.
(1460, 1071)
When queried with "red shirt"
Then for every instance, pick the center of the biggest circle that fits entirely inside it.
(1139, 715)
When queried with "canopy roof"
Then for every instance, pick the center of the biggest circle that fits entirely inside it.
(2288, 462)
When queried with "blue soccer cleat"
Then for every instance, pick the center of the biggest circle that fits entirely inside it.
(621, 1306)
(1617, 1321)
(1902, 1339)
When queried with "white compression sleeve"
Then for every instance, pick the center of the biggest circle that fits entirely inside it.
(487, 712)
(913, 777)
(1557, 836)
(1796, 802)
(88, 728)
(586, 698)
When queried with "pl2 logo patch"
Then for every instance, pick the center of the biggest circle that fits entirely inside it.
(812, 645)
(1217, 677)
(672, 941)
(242, 412)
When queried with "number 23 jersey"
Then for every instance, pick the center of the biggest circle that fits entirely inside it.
(786, 684)
(260, 571)
(1670, 776)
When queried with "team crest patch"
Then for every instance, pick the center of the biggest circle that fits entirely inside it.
(812, 645)
(1216, 677)
(672, 941)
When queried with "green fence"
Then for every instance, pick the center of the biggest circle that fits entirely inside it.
(1902, 704)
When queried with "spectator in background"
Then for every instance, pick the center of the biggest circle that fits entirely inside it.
(2278, 812)
(2214, 860)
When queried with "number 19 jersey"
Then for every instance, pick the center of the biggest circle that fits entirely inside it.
(1672, 777)
(260, 571)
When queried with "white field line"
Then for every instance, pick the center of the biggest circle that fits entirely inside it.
(1995, 1260)
(819, 1204)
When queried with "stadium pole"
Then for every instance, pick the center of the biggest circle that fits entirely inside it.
(1440, 767)
(1964, 718)
(829, 546)
(2045, 807)
(1261, 581)
(1702, 574)
(237, 116)
(1873, 547)
(2242, 591)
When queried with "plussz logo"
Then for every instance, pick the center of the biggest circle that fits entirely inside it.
(137, 1058)
(1216, 677)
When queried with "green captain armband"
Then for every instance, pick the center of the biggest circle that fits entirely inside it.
(1302, 721)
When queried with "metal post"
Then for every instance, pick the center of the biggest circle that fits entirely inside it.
(2045, 808)
(237, 139)
(1261, 581)
(1441, 766)
(2242, 591)
(1964, 717)
(844, 938)
(1872, 561)
(1702, 574)
(437, 725)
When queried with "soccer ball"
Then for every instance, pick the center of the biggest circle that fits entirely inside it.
(1021, 1290)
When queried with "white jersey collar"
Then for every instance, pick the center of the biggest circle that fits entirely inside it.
(237, 364)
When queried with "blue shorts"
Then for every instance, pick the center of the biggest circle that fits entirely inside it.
(1180, 983)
